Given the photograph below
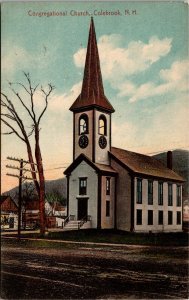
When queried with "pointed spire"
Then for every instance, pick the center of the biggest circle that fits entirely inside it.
(92, 80)
(92, 92)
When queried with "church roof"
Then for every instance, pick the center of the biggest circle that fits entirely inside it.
(143, 165)
(100, 168)
(92, 92)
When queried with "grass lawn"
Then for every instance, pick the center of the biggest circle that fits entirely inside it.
(117, 237)
(121, 237)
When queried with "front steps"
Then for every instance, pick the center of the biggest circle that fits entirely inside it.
(75, 225)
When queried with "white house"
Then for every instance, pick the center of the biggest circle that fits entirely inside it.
(112, 187)
(9, 213)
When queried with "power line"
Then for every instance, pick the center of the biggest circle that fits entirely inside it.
(21, 179)
(20, 159)
(17, 168)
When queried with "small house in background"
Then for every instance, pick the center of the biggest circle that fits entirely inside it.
(54, 214)
(9, 213)
(59, 210)
(31, 213)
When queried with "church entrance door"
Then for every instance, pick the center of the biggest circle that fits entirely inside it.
(82, 208)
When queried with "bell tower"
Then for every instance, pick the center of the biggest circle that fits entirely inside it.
(92, 110)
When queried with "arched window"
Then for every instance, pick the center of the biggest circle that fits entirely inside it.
(102, 125)
(83, 124)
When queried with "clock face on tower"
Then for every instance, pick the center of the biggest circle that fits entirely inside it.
(102, 142)
(83, 141)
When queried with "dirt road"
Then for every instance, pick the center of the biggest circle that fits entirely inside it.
(77, 272)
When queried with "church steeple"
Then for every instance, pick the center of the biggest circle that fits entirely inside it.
(92, 92)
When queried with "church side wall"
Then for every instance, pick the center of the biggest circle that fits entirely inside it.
(145, 207)
(123, 197)
(107, 221)
(84, 170)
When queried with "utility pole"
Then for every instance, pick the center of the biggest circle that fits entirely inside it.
(20, 199)
(21, 177)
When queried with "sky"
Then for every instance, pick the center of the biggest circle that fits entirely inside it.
(144, 63)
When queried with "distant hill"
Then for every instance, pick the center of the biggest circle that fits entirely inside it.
(58, 185)
(180, 166)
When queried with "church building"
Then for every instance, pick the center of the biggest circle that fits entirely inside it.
(109, 187)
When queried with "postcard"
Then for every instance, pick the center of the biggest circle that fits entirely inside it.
(94, 156)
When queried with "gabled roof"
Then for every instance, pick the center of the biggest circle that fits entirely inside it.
(143, 164)
(5, 197)
(102, 169)
(92, 92)
(8, 206)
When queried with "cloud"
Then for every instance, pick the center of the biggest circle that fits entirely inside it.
(119, 62)
(125, 129)
(11, 59)
(16, 57)
(175, 81)
(177, 75)
(161, 129)
(65, 100)
(79, 57)
(168, 128)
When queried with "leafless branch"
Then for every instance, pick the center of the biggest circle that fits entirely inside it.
(31, 132)
(32, 91)
(46, 94)
(6, 133)
(13, 112)
(8, 105)
(19, 83)
(8, 116)
(22, 102)
(13, 130)
(35, 88)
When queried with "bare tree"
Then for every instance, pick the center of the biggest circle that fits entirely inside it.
(16, 125)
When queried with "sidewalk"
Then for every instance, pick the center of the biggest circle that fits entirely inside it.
(15, 232)
(79, 243)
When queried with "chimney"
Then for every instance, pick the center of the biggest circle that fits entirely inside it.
(169, 160)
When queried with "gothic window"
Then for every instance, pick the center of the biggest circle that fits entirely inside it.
(83, 124)
(102, 125)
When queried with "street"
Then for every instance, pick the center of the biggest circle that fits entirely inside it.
(93, 272)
